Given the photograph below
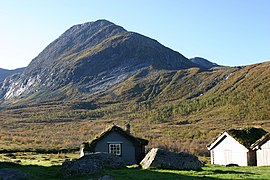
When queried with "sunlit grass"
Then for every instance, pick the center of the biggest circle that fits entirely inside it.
(45, 160)
(48, 166)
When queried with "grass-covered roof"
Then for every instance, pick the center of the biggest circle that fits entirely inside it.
(90, 146)
(247, 136)
(261, 141)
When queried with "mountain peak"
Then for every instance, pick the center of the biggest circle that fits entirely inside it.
(100, 22)
(95, 56)
(74, 40)
(94, 26)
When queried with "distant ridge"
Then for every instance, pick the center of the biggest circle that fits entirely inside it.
(203, 62)
(5, 73)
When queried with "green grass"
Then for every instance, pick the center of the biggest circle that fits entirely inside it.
(208, 172)
(35, 171)
(45, 160)
(48, 166)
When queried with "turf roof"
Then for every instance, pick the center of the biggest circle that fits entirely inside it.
(247, 136)
(90, 146)
(261, 141)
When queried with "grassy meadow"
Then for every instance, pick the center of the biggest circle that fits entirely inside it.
(51, 126)
(48, 166)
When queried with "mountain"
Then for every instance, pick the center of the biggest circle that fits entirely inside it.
(94, 56)
(97, 74)
(5, 73)
(203, 62)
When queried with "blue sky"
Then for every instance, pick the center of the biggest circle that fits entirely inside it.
(228, 32)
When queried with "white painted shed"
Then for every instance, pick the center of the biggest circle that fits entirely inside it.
(262, 148)
(226, 150)
(233, 147)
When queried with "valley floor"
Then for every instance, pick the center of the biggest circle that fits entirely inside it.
(48, 166)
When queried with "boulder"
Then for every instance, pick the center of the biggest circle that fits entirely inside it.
(91, 164)
(12, 174)
(163, 159)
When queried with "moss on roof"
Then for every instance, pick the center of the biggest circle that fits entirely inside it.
(247, 136)
(261, 141)
(90, 146)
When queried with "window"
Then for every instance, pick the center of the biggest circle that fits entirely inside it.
(115, 149)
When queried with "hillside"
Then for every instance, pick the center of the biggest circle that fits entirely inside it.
(97, 74)
(236, 98)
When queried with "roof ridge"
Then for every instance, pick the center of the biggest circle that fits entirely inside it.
(91, 144)
(246, 136)
(260, 141)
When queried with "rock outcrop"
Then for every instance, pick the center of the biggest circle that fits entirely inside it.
(91, 164)
(163, 159)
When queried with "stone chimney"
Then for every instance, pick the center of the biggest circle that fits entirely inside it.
(128, 128)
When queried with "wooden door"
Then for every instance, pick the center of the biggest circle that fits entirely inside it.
(228, 156)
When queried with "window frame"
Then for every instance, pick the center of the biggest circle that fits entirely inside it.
(110, 144)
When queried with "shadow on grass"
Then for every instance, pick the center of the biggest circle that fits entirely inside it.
(230, 172)
(35, 172)
(137, 173)
(54, 172)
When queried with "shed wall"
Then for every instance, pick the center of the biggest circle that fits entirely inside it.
(263, 154)
(229, 151)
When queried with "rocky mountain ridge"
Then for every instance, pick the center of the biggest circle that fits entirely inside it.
(94, 55)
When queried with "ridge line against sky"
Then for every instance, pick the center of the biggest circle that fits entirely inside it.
(231, 32)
